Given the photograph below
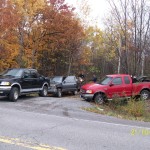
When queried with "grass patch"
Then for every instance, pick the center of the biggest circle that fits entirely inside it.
(127, 109)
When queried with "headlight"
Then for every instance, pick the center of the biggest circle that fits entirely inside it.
(53, 86)
(5, 83)
(89, 91)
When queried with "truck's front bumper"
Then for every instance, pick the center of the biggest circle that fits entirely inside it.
(5, 90)
(87, 96)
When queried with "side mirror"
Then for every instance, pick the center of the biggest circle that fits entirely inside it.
(64, 82)
(25, 76)
(111, 84)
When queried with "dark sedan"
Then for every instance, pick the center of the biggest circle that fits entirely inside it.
(62, 84)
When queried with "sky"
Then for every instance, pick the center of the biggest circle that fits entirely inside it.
(98, 9)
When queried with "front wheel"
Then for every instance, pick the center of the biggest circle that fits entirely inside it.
(14, 94)
(99, 99)
(145, 95)
(75, 92)
(44, 91)
(59, 92)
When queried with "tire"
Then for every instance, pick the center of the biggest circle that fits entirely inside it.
(99, 99)
(145, 95)
(75, 92)
(59, 92)
(14, 94)
(44, 91)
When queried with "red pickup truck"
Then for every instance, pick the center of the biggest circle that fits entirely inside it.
(115, 86)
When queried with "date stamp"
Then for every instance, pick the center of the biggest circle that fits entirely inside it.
(144, 132)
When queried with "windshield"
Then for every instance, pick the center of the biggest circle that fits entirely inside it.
(106, 80)
(57, 79)
(12, 72)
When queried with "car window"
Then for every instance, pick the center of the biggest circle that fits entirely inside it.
(33, 74)
(117, 81)
(57, 79)
(26, 74)
(70, 79)
(13, 72)
(106, 80)
(126, 80)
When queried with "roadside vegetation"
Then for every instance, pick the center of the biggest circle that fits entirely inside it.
(131, 109)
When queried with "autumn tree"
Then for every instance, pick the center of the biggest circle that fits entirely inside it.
(28, 12)
(8, 45)
(46, 35)
(63, 36)
(132, 21)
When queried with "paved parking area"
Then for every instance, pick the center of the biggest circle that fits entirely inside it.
(49, 105)
(62, 124)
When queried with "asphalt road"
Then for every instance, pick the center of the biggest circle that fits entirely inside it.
(52, 123)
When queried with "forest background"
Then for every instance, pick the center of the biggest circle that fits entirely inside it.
(49, 36)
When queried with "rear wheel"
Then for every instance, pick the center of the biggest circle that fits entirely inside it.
(99, 99)
(44, 91)
(14, 94)
(145, 95)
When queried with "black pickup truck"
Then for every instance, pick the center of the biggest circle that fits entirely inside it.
(21, 81)
(61, 84)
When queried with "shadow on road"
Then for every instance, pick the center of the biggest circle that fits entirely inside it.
(21, 98)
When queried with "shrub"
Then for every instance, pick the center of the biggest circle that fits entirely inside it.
(116, 103)
(131, 107)
(135, 108)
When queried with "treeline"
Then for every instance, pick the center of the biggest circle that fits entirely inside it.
(48, 36)
(40, 34)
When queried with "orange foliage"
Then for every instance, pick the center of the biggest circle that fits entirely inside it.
(30, 33)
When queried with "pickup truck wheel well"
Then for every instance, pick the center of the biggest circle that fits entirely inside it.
(99, 93)
(17, 86)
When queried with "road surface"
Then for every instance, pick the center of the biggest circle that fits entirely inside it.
(51, 123)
